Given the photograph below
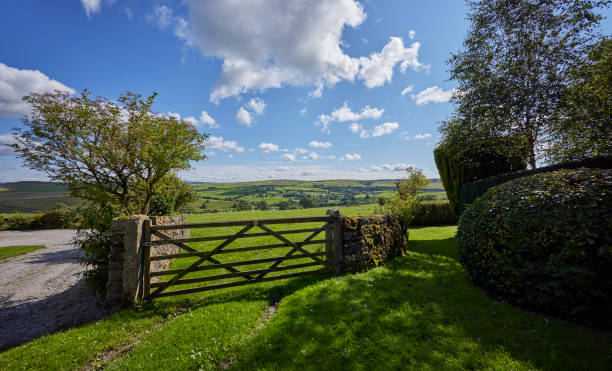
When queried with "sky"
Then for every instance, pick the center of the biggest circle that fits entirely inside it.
(286, 89)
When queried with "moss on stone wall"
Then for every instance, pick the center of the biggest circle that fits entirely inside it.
(369, 241)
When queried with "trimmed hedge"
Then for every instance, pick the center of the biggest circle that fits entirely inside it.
(544, 241)
(64, 218)
(469, 192)
(435, 213)
(483, 159)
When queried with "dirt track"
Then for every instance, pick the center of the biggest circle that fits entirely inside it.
(42, 292)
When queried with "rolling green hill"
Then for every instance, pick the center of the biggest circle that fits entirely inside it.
(32, 197)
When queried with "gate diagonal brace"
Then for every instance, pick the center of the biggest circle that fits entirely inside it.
(201, 260)
(295, 246)
(210, 259)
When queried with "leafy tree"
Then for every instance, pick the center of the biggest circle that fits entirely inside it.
(514, 68)
(242, 205)
(308, 202)
(406, 202)
(586, 125)
(413, 185)
(283, 205)
(103, 150)
(261, 205)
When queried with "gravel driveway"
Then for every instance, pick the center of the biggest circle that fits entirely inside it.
(42, 292)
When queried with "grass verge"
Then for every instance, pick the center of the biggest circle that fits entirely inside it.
(10, 251)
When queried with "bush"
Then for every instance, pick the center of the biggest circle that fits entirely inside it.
(435, 213)
(482, 158)
(162, 204)
(544, 241)
(406, 208)
(64, 218)
(18, 222)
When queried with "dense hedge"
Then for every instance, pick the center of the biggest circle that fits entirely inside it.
(469, 192)
(544, 241)
(434, 213)
(484, 159)
(63, 218)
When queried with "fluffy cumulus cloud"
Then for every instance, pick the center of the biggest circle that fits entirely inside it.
(244, 117)
(271, 43)
(268, 147)
(316, 144)
(352, 156)
(397, 167)
(386, 128)
(218, 143)
(433, 94)
(345, 113)
(91, 6)
(422, 136)
(311, 156)
(354, 127)
(283, 168)
(288, 157)
(16, 83)
(206, 119)
(5, 141)
(301, 151)
(164, 18)
(257, 105)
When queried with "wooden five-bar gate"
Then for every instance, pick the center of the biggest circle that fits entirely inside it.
(207, 259)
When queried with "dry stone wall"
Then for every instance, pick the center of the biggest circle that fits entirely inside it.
(125, 274)
(369, 241)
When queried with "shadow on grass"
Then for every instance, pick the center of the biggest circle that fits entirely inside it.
(419, 311)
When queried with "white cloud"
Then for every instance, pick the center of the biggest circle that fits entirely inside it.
(411, 34)
(422, 136)
(206, 119)
(407, 90)
(397, 167)
(301, 151)
(433, 94)
(283, 168)
(288, 157)
(364, 134)
(230, 156)
(331, 157)
(376, 168)
(16, 83)
(311, 156)
(218, 143)
(378, 67)
(386, 128)
(352, 156)
(303, 111)
(257, 105)
(273, 43)
(128, 12)
(91, 6)
(244, 117)
(362, 170)
(316, 144)
(345, 113)
(354, 127)
(162, 16)
(5, 141)
(268, 147)
(175, 115)
(308, 172)
(192, 120)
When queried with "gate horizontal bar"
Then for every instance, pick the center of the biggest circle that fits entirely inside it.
(229, 251)
(238, 274)
(239, 283)
(298, 219)
(236, 264)
(216, 238)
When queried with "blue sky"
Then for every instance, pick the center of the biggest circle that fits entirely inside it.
(300, 89)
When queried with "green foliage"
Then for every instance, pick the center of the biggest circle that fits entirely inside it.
(516, 64)
(407, 201)
(283, 205)
(308, 202)
(469, 192)
(413, 185)
(162, 204)
(435, 213)
(62, 218)
(93, 238)
(544, 241)
(102, 155)
(261, 205)
(586, 126)
(461, 160)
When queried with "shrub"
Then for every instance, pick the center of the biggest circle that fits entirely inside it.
(435, 213)
(459, 163)
(406, 208)
(162, 204)
(544, 241)
(19, 222)
(63, 218)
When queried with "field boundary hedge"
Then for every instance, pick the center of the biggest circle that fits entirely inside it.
(469, 192)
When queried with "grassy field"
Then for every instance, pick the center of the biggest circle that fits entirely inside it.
(10, 251)
(34, 197)
(417, 312)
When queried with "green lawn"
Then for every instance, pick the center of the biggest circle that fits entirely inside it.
(10, 251)
(417, 312)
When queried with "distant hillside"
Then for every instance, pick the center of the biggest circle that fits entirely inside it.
(31, 197)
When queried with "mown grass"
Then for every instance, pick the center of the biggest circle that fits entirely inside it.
(10, 251)
(417, 312)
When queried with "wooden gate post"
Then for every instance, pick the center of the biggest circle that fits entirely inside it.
(146, 259)
(333, 241)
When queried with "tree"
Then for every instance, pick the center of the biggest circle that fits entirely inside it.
(586, 125)
(406, 202)
(106, 151)
(308, 202)
(242, 205)
(515, 65)
(261, 205)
